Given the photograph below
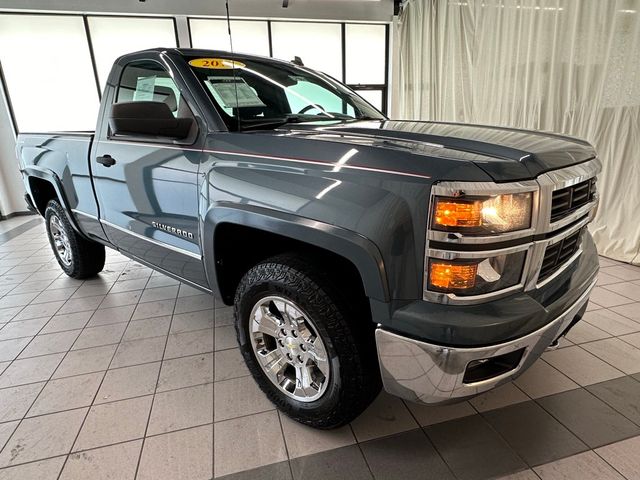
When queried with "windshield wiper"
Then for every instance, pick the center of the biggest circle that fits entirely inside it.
(276, 122)
(364, 118)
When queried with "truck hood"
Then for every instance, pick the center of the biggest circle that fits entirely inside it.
(505, 154)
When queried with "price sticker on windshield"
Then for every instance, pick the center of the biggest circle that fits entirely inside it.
(216, 63)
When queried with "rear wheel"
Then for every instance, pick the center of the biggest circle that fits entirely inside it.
(305, 346)
(77, 256)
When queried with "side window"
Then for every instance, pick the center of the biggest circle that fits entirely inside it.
(147, 81)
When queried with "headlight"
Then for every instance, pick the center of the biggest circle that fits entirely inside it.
(475, 276)
(483, 215)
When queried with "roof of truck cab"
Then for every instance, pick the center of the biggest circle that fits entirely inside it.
(201, 52)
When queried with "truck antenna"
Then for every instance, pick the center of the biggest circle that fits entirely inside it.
(233, 66)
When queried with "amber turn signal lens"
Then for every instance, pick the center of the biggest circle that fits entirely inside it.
(457, 213)
(450, 276)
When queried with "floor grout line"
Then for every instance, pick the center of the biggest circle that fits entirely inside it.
(114, 368)
(422, 428)
(155, 390)
(122, 269)
(41, 390)
(608, 463)
(284, 440)
(95, 394)
(106, 445)
(135, 397)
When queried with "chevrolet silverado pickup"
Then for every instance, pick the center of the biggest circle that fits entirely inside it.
(436, 260)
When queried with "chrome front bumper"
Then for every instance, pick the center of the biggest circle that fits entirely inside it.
(432, 374)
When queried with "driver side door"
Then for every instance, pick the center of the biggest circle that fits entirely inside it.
(147, 187)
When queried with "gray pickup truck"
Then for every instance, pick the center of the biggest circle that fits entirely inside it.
(438, 260)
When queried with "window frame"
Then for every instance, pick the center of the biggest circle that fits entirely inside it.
(4, 91)
(113, 97)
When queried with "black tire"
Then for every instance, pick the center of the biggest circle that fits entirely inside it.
(86, 257)
(347, 334)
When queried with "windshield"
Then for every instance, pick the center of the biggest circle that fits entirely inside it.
(266, 94)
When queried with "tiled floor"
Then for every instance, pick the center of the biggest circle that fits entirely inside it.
(106, 378)
(114, 378)
(12, 223)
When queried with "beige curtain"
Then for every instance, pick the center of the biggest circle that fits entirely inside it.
(569, 66)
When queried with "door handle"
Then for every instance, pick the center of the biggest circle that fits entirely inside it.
(106, 160)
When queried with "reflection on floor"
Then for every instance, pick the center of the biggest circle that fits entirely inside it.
(114, 378)
(12, 223)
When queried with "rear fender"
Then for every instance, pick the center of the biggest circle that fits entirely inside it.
(51, 177)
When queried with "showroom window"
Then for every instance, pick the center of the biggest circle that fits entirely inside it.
(249, 36)
(319, 45)
(112, 37)
(366, 61)
(354, 53)
(84, 47)
(34, 50)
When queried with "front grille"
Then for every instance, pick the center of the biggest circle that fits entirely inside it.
(557, 254)
(566, 200)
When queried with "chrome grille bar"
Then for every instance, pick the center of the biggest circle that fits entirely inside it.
(580, 179)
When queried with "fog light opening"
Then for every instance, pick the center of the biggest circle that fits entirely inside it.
(488, 368)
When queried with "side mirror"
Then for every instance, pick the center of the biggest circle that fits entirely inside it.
(147, 118)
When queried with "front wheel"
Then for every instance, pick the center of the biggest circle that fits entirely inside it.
(304, 346)
(76, 255)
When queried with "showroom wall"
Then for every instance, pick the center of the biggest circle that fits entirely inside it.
(11, 192)
(82, 38)
(559, 65)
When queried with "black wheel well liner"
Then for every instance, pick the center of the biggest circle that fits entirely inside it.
(44, 185)
(42, 191)
(238, 248)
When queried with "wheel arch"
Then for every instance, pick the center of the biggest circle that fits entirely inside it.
(335, 243)
(44, 185)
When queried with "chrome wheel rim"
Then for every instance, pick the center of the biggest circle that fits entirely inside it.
(289, 348)
(60, 240)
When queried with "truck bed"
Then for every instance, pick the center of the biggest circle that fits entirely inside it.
(62, 158)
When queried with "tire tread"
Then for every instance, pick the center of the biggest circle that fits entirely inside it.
(359, 377)
(88, 256)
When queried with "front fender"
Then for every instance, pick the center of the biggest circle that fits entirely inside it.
(361, 251)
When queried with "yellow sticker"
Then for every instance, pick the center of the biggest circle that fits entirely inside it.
(216, 63)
